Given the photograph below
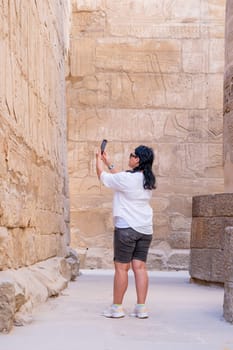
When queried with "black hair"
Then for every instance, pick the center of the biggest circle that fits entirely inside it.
(146, 158)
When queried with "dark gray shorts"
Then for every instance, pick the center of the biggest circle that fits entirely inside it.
(130, 244)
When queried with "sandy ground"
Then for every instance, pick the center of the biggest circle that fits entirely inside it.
(183, 316)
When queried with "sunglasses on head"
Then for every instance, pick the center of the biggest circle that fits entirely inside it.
(133, 155)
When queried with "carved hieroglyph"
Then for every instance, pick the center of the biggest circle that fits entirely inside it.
(145, 72)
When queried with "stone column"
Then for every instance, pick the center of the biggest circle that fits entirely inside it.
(228, 159)
(228, 100)
(228, 268)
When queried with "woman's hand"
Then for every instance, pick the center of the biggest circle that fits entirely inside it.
(105, 158)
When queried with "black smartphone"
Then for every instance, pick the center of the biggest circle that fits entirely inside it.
(103, 145)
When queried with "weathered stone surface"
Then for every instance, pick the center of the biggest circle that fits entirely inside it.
(88, 22)
(81, 61)
(98, 258)
(195, 56)
(50, 276)
(207, 265)
(131, 90)
(179, 239)
(157, 259)
(228, 269)
(228, 101)
(151, 56)
(87, 5)
(70, 269)
(218, 205)
(33, 131)
(228, 256)
(208, 232)
(26, 288)
(228, 160)
(228, 146)
(228, 302)
(7, 305)
(178, 259)
(211, 215)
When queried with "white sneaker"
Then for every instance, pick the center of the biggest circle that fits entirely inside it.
(114, 311)
(140, 311)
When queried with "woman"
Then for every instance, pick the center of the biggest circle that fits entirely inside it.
(132, 215)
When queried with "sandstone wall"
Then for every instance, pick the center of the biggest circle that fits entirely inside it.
(145, 72)
(34, 201)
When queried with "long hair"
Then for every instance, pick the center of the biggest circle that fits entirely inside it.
(146, 158)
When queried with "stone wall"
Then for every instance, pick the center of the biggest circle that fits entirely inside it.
(145, 72)
(34, 204)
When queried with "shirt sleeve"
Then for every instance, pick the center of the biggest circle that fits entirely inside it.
(117, 182)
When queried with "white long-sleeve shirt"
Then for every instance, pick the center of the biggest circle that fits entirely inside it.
(131, 200)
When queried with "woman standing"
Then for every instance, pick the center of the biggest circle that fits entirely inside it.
(132, 215)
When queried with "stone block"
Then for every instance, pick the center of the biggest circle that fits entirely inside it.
(208, 232)
(6, 249)
(214, 168)
(157, 259)
(134, 91)
(7, 305)
(213, 10)
(146, 27)
(228, 254)
(178, 259)
(86, 23)
(73, 260)
(179, 239)
(23, 246)
(49, 274)
(216, 58)
(215, 91)
(98, 258)
(87, 5)
(215, 126)
(182, 159)
(227, 147)
(145, 55)
(213, 205)
(159, 125)
(82, 60)
(195, 56)
(207, 265)
(212, 30)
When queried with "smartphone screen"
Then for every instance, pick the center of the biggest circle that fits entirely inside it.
(103, 145)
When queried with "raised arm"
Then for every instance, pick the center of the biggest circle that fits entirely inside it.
(100, 159)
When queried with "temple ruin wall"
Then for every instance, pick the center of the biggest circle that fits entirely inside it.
(145, 72)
